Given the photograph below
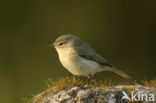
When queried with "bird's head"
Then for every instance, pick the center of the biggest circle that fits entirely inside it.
(66, 41)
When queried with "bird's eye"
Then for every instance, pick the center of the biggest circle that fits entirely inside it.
(60, 43)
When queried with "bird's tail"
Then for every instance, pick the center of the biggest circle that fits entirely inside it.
(119, 72)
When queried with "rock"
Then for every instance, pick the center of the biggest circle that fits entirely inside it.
(114, 94)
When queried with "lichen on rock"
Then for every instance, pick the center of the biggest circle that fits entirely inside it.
(79, 94)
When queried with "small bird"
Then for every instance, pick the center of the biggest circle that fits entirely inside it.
(80, 59)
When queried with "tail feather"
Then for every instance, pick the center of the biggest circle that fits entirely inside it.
(119, 72)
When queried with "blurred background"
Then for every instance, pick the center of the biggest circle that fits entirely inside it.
(123, 31)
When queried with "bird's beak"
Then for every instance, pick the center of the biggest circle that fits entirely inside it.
(52, 45)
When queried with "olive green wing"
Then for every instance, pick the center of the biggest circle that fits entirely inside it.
(90, 54)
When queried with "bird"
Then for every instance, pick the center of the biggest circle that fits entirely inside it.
(80, 59)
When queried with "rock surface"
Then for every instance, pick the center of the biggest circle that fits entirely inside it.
(114, 94)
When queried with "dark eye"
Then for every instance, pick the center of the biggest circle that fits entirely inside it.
(60, 43)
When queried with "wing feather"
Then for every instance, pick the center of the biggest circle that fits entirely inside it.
(86, 52)
(90, 54)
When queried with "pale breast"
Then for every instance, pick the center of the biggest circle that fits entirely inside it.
(78, 65)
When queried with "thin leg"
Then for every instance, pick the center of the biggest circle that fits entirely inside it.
(82, 78)
(88, 80)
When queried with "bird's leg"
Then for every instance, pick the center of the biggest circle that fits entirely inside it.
(80, 79)
(76, 77)
(88, 80)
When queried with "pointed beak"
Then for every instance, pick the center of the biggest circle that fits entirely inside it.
(51, 45)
